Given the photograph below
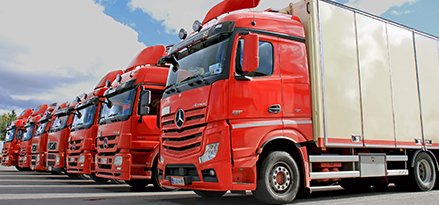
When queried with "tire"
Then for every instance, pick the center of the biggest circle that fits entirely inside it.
(73, 176)
(210, 194)
(137, 184)
(21, 169)
(423, 175)
(98, 180)
(278, 180)
(117, 181)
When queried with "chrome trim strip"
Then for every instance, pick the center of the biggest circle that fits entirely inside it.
(292, 122)
(256, 125)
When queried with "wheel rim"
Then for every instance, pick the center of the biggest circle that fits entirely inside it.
(424, 171)
(280, 177)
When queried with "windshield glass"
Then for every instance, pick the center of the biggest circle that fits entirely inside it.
(203, 59)
(40, 129)
(28, 133)
(60, 122)
(10, 135)
(88, 115)
(122, 105)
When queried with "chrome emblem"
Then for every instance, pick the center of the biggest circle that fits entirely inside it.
(73, 146)
(179, 118)
(105, 143)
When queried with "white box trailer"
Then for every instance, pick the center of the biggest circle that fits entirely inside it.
(374, 87)
(375, 83)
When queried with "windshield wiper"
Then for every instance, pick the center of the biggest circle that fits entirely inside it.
(198, 81)
(173, 88)
(112, 115)
(79, 124)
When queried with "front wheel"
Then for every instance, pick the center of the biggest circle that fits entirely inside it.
(210, 194)
(278, 180)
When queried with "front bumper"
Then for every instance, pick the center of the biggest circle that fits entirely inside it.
(24, 161)
(76, 167)
(105, 168)
(38, 163)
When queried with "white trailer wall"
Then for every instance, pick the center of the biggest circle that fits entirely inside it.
(374, 83)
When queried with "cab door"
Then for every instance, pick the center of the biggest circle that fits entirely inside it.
(254, 103)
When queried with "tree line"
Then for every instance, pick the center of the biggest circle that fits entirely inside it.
(5, 119)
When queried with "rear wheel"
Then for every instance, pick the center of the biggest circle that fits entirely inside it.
(278, 180)
(210, 194)
(424, 173)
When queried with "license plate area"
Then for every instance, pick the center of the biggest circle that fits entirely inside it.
(179, 181)
(72, 159)
(104, 160)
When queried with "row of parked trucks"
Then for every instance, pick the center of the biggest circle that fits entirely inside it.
(273, 102)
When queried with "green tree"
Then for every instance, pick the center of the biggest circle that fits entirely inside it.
(5, 119)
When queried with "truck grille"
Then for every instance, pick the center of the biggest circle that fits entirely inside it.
(77, 145)
(186, 140)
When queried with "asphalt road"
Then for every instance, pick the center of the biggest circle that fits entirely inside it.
(46, 189)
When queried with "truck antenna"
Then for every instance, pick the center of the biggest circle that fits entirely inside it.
(253, 22)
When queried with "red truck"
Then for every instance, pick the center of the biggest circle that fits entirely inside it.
(39, 140)
(81, 149)
(57, 138)
(26, 141)
(315, 93)
(14, 133)
(128, 137)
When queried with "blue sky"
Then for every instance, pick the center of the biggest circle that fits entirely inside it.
(52, 50)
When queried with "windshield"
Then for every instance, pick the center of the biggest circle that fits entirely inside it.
(40, 129)
(203, 59)
(122, 105)
(10, 135)
(60, 122)
(87, 117)
(28, 133)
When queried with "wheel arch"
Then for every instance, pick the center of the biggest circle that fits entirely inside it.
(282, 143)
(432, 155)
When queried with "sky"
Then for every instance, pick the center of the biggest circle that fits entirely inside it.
(53, 50)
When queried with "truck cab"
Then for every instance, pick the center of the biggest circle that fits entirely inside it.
(58, 135)
(14, 134)
(127, 139)
(39, 140)
(26, 142)
(81, 149)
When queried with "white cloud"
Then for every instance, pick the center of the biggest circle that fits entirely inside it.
(65, 39)
(378, 7)
(400, 13)
(177, 14)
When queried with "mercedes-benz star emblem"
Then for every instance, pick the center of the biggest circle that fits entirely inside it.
(73, 146)
(105, 143)
(179, 118)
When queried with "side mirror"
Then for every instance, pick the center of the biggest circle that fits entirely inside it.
(107, 84)
(145, 100)
(109, 103)
(250, 58)
(78, 114)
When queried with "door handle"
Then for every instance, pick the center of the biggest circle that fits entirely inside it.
(274, 109)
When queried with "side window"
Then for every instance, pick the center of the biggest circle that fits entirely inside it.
(265, 59)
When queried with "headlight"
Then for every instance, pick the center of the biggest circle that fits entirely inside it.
(209, 153)
(81, 159)
(57, 159)
(38, 158)
(7, 158)
(162, 160)
(25, 159)
(96, 158)
(118, 161)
